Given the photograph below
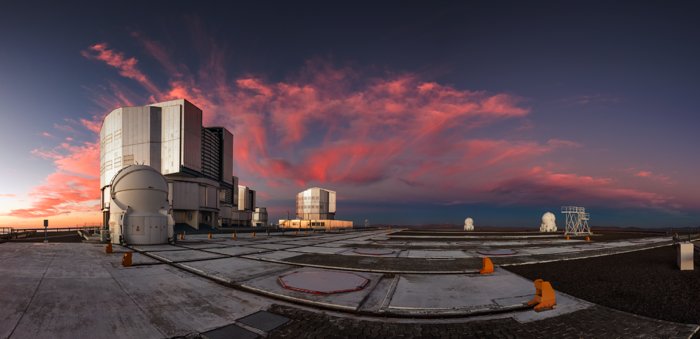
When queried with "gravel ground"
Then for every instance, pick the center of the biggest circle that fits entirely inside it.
(645, 282)
(594, 322)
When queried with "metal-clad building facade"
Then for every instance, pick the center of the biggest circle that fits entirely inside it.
(196, 161)
(316, 203)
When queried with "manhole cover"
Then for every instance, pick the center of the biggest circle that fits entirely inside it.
(323, 282)
(504, 251)
(373, 251)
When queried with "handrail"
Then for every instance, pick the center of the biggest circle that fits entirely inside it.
(52, 229)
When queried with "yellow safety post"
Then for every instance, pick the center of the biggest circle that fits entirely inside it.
(487, 266)
(126, 259)
(108, 248)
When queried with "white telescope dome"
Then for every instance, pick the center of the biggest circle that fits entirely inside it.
(141, 188)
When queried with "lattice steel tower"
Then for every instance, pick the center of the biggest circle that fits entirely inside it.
(576, 220)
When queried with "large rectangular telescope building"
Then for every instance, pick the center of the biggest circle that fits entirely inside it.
(197, 162)
(316, 209)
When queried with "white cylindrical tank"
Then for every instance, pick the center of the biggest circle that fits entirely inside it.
(549, 222)
(468, 224)
(139, 210)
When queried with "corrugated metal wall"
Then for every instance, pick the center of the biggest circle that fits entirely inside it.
(170, 138)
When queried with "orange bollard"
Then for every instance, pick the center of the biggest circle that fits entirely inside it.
(588, 238)
(182, 236)
(567, 238)
(209, 235)
(488, 266)
(538, 293)
(108, 248)
(234, 236)
(126, 259)
(548, 300)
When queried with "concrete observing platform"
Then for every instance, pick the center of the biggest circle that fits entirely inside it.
(203, 285)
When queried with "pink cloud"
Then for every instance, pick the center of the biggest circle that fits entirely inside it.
(407, 137)
(643, 174)
(127, 66)
(73, 187)
(541, 185)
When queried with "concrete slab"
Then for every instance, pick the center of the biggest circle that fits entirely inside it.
(345, 301)
(319, 249)
(83, 308)
(180, 256)
(272, 246)
(15, 298)
(334, 244)
(304, 242)
(373, 252)
(201, 246)
(276, 255)
(235, 270)
(436, 254)
(379, 297)
(238, 250)
(238, 242)
(454, 294)
(86, 294)
(548, 250)
(497, 251)
(157, 248)
(179, 303)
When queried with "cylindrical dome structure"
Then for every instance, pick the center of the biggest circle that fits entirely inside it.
(139, 213)
(468, 224)
(549, 222)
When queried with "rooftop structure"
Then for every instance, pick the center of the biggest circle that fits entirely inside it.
(316, 203)
(576, 220)
(196, 161)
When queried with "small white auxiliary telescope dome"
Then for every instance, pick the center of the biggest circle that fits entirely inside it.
(468, 224)
(549, 222)
(139, 208)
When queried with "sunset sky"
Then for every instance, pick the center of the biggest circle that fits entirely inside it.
(413, 113)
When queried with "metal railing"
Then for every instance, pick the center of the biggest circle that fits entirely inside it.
(15, 233)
